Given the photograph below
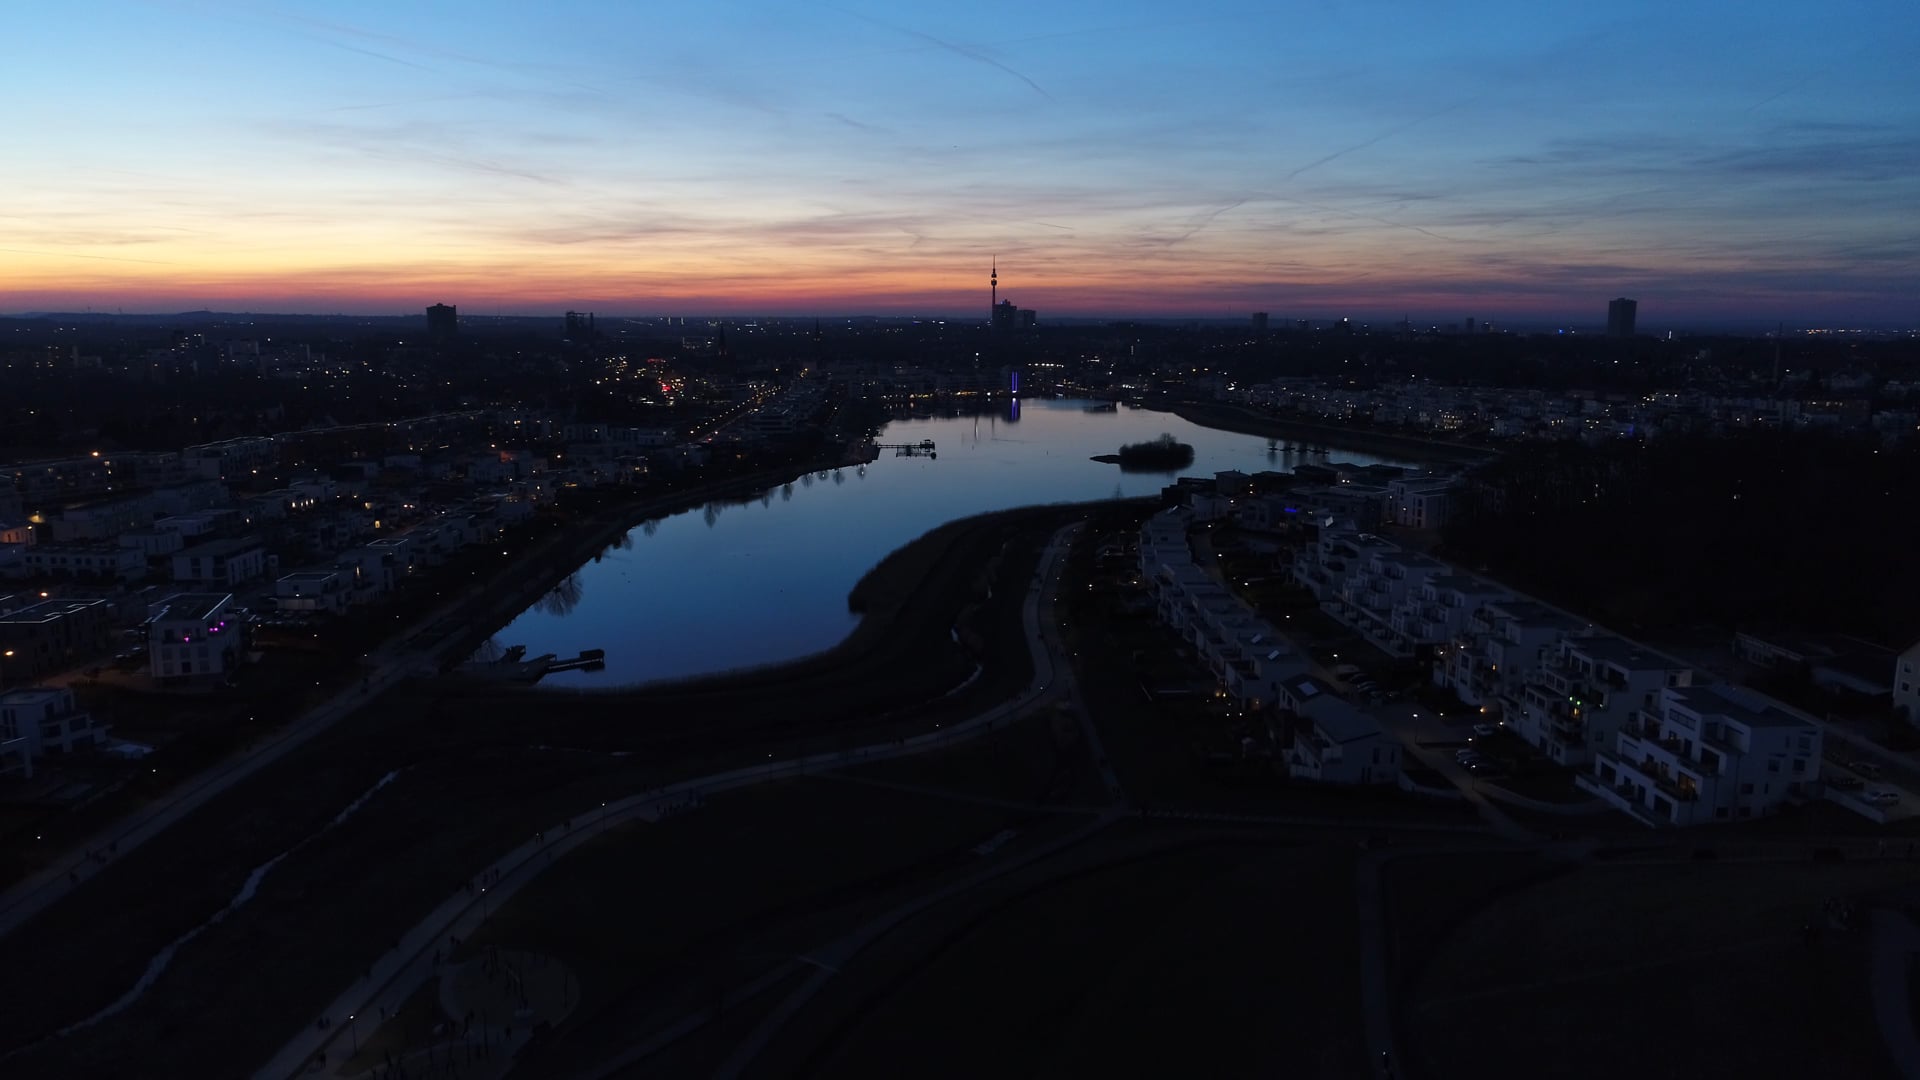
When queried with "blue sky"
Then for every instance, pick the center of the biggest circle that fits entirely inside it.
(1718, 161)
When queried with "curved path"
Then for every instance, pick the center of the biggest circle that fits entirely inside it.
(385, 667)
(396, 974)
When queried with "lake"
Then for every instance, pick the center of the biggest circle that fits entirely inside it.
(745, 584)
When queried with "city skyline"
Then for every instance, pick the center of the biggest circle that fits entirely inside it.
(763, 159)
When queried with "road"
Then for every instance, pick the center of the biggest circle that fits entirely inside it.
(422, 644)
(395, 975)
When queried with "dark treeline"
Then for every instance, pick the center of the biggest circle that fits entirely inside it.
(1812, 530)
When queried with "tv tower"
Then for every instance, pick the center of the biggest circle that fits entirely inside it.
(993, 283)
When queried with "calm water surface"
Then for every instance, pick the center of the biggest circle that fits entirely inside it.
(742, 584)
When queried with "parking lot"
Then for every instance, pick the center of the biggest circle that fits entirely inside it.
(1860, 786)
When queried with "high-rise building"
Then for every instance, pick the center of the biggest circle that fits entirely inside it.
(1620, 314)
(1469, 324)
(1260, 322)
(1005, 316)
(580, 326)
(443, 322)
(1002, 316)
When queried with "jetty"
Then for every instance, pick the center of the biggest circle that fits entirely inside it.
(513, 667)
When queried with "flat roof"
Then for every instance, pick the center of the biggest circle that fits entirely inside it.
(1627, 654)
(1737, 704)
(228, 546)
(47, 611)
(203, 605)
(28, 695)
(1342, 722)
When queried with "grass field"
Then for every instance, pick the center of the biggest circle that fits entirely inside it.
(658, 920)
(1143, 955)
(473, 783)
(1691, 969)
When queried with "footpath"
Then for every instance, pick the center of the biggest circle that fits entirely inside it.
(390, 980)
(424, 643)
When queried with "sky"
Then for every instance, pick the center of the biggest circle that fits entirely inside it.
(1504, 160)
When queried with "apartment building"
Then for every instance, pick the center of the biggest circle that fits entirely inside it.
(52, 635)
(1906, 684)
(1419, 502)
(191, 636)
(102, 519)
(96, 561)
(1367, 599)
(1503, 643)
(39, 720)
(1585, 691)
(1438, 611)
(1248, 658)
(1340, 552)
(1706, 754)
(1334, 741)
(311, 591)
(223, 563)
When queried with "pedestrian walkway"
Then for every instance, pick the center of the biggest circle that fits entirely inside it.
(1895, 942)
(413, 959)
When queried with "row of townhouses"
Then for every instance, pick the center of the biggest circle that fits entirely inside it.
(1642, 731)
(1256, 666)
(1538, 414)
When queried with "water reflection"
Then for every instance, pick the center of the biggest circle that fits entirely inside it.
(758, 580)
(564, 597)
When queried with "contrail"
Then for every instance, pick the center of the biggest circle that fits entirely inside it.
(958, 50)
(1383, 136)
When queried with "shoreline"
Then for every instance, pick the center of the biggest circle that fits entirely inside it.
(1244, 421)
(600, 531)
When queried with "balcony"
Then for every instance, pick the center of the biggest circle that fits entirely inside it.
(1676, 790)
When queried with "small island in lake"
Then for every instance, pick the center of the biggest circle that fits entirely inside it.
(1156, 455)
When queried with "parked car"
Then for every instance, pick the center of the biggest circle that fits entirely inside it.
(1465, 757)
(1845, 783)
(1882, 798)
(1484, 730)
(1865, 768)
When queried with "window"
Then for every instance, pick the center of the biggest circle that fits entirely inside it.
(1746, 789)
(1773, 765)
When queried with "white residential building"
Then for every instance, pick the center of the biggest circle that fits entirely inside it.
(314, 590)
(152, 543)
(1419, 502)
(191, 636)
(375, 569)
(1248, 657)
(1335, 742)
(1707, 753)
(1504, 642)
(225, 563)
(102, 519)
(101, 561)
(1906, 684)
(1584, 693)
(1340, 552)
(38, 720)
(1368, 597)
(1438, 611)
